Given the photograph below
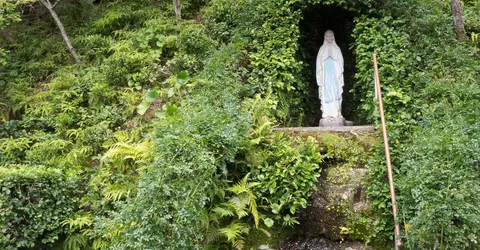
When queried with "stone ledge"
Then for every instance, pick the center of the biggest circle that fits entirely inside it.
(328, 129)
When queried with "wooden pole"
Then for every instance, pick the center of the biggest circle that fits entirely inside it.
(398, 241)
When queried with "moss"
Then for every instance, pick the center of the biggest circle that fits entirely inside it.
(271, 237)
(344, 153)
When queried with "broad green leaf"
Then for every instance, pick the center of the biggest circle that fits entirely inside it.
(151, 95)
(171, 109)
(159, 114)
(171, 92)
(143, 107)
(182, 77)
(268, 222)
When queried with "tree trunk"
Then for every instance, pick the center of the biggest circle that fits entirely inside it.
(458, 19)
(178, 10)
(7, 36)
(50, 7)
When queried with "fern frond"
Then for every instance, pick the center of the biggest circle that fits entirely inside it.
(266, 232)
(75, 242)
(117, 191)
(238, 244)
(239, 202)
(213, 235)
(254, 211)
(234, 230)
(100, 244)
(223, 212)
(79, 221)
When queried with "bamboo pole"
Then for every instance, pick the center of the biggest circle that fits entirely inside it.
(398, 241)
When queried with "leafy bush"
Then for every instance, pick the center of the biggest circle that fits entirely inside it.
(430, 104)
(189, 150)
(193, 146)
(287, 171)
(441, 175)
(34, 200)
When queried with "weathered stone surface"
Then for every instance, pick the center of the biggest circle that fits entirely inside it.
(332, 122)
(341, 196)
(339, 211)
(297, 242)
(328, 129)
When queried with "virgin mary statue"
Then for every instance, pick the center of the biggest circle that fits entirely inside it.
(330, 77)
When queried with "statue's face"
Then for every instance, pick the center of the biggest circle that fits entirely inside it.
(329, 37)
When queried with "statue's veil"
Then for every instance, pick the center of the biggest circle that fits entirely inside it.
(322, 57)
(323, 50)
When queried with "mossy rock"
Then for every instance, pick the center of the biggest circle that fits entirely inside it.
(340, 209)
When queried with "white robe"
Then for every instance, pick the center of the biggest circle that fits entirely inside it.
(334, 108)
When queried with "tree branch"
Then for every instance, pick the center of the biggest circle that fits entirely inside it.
(59, 23)
(55, 4)
(7, 36)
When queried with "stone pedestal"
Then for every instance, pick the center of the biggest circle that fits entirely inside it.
(334, 122)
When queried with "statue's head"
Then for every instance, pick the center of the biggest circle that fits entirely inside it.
(329, 37)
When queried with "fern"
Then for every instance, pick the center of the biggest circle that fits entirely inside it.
(234, 230)
(238, 244)
(124, 152)
(117, 191)
(80, 221)
(10, 146)
(240, 205)
(100, 244)
(75, 242)
(223, 212)
(245, 197)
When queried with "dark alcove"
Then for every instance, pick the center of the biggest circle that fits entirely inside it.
(316, 20)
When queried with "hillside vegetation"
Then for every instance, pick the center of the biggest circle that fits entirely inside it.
(159, 136)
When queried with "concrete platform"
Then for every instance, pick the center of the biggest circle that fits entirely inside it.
(328, 129)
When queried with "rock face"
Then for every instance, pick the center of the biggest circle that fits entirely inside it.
(320, 243)
(338, 215)
(332, 218)
(340, 199)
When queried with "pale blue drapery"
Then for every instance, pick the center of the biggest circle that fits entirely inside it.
(331, 88)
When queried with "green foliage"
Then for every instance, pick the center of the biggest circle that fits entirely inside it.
(189, 149)
(136, 57)
(427, 76)
(441, 173)
(9, 13)
(383, 37)
(191, 146)
(287, 171)
(34, 201)
(241, 203)
(285, 168)
(170, 95)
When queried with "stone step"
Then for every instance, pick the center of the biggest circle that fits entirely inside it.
(327, 129)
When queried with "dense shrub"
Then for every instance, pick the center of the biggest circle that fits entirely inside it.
(431, 98)
(439, 183)
(192, 146)
(34, 200)
(287, 171)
